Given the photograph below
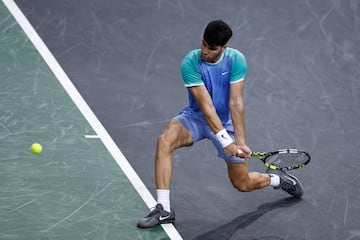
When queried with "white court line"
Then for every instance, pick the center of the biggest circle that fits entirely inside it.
(92, 136)
(87, 112)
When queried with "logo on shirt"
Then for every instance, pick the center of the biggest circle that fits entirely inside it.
(224, 73)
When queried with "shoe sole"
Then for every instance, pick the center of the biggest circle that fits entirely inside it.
(146, 227)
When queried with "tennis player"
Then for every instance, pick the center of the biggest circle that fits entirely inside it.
(214, 77)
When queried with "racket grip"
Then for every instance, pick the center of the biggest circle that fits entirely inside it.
(241, 152)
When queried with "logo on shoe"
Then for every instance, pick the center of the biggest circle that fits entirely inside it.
(161, 218)
(293, 181)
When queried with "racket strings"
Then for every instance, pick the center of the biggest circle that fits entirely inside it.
(287, 159)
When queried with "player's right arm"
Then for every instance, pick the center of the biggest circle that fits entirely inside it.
(207, 108)
(204, 101)
(193, 81)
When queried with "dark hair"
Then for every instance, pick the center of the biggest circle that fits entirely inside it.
(217, 33)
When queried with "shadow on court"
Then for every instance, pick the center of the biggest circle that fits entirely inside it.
(227, 230)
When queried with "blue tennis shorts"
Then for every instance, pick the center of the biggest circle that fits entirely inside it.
(201, 130)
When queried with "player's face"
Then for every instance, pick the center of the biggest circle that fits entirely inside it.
(211, 54)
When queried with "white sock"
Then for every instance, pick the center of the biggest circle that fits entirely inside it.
(274, 180)
(163, 197)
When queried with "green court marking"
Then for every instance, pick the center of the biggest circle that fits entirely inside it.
(74, 189)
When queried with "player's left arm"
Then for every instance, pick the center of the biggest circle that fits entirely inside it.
(236, 106)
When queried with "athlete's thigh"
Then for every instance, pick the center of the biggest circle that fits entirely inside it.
(177, 134)
(238, 171)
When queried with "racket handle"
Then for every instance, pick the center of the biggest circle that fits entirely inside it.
(241, 152)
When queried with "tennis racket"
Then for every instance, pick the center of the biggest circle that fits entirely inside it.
(284, 159)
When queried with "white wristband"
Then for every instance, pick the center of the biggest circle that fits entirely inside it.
(224, 138)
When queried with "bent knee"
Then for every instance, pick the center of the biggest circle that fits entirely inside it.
(174, 136)
(242, 186)
(163, 141)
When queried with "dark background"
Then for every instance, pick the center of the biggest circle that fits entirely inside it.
(302, 91)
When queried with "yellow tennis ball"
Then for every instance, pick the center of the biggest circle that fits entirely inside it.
(36, 148)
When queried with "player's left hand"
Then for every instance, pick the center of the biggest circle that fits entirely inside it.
(243, 151)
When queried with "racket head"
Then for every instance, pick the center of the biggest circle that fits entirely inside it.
(285, 159)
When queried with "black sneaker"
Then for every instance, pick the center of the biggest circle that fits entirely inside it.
(291, 185)
(157, 216)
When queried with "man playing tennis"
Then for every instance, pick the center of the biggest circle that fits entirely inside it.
(214, 77)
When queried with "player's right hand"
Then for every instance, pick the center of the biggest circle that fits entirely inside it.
(243, 151)
(232, 150)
